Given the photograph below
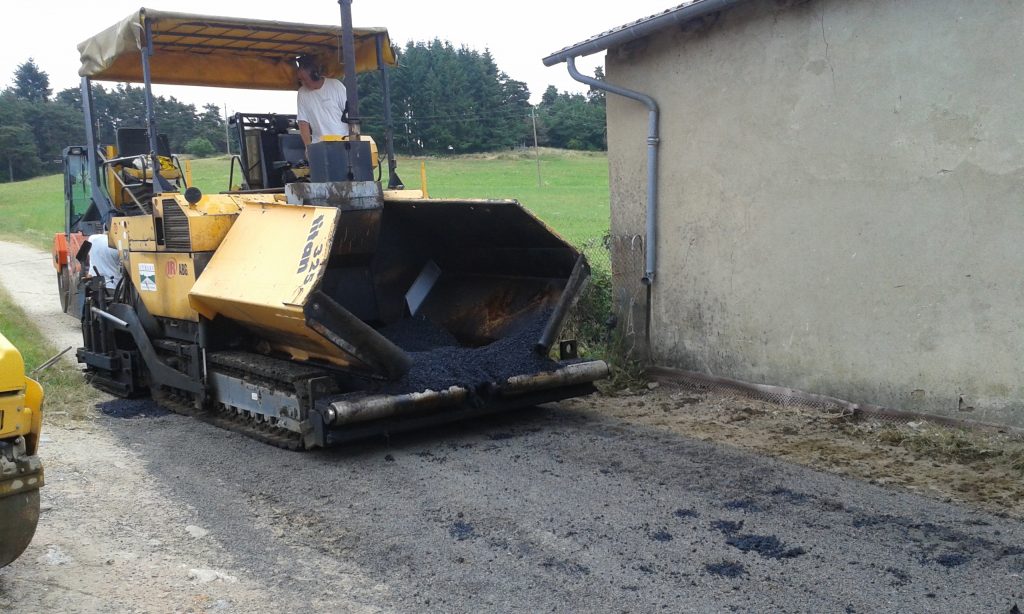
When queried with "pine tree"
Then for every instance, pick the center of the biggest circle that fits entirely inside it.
(18, 153)
(550, 96)
(447, 100)
(31, 83)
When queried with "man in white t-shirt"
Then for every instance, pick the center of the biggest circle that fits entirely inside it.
(321, 103)
(104, 261)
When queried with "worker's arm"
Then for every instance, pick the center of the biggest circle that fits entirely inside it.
(307, 135)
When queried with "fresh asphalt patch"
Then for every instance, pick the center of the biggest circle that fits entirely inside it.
(131, 408)
(556, 510)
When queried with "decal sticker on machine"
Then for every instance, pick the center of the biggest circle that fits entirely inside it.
(147, 277)
(311, 253)
(171, 268)
(307, 251)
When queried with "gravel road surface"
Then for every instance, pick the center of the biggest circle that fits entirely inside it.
(29, 277)
(552, 509)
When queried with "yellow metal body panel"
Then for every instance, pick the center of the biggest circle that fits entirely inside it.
(208, 221)
(163, 276)
(113, 185)
(12, 367)
(34, 406)
(21, 398)
(167, 171)
(163, 280)
(265, 288)
(403, 195)
(134, 233)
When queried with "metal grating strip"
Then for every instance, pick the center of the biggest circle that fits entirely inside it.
(176, 231)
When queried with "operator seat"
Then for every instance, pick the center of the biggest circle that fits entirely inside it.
(135, 142)
(293, 150)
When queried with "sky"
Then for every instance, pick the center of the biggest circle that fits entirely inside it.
(519, 34)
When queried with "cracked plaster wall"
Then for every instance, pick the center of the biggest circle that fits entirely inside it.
(842, 199)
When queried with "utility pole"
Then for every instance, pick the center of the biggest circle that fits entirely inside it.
(227, 132)
(536, 150)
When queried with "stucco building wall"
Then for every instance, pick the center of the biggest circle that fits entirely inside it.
(842, 199)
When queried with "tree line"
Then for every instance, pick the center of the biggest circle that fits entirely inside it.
(444, 100)
(36, 124)
(456, 100)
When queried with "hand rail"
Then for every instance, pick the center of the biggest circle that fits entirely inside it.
(124, 186)
(181, 171)
(231, 173)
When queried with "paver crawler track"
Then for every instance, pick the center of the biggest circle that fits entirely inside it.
(273, 373)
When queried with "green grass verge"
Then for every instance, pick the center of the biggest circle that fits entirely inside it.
(572, 198)
(32, 211)
(67, 395)
(572, 195)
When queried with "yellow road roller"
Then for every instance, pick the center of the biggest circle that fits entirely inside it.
(21, 472)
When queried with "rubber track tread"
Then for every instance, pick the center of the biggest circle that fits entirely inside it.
(173, 400)
(273, 435)
(226, 419)
(272, 372)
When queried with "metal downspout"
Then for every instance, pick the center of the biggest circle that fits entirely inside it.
(651, 240)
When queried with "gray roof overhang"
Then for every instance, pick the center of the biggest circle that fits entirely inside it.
(640, 29)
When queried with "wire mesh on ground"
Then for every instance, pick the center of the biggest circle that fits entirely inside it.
(789, 397)
(595, 326)
(588, 322)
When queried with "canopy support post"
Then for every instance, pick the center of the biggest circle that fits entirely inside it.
(348, 52)
(238, 121)
(147, 81)
(394, 181)
(99, 196)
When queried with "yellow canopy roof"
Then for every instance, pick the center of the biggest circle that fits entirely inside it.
(222, 51)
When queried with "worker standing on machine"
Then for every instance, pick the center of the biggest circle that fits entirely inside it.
(321, 103)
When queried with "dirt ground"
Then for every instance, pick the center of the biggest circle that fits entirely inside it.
(880, 452)
(102, 517)
(599, 504)
(110, 541)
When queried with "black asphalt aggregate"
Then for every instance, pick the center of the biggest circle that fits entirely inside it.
(552, 510)
(439, 362)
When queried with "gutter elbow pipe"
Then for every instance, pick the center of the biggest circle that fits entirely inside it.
(651, 245)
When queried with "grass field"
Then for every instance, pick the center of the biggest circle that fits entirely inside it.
(573, 198)
(32, 211)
